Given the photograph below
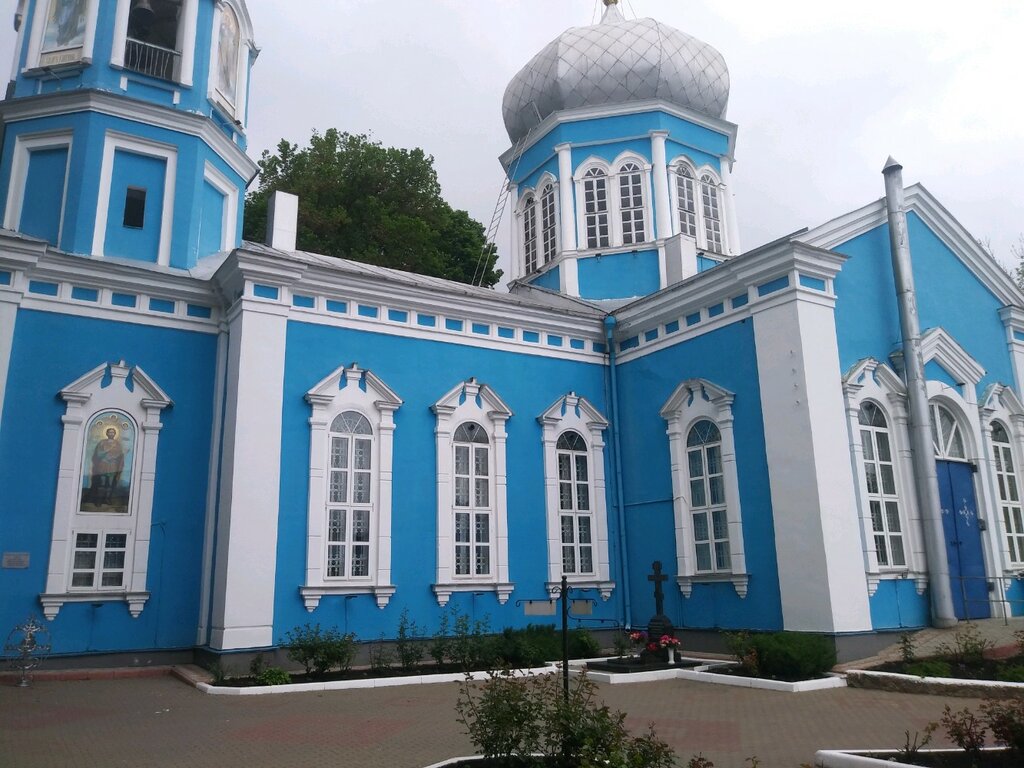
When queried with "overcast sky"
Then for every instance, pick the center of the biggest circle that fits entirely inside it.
(822, 93)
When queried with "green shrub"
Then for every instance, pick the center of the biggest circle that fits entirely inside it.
(583, 645)
(1012, 673)
(931, 668)
(381, 659)
(965, 730)
(508, 717)
(408, 646)
(319, 650)
(968, 646)
(272, 676)
(792, 655)
(1006, 719)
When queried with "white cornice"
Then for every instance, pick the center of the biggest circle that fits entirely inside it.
(114, 105)
(918, 199)
(542, 129)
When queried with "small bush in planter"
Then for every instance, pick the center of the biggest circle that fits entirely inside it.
(1006, 719)
(784, 655)
(320, 650)
(932, 668)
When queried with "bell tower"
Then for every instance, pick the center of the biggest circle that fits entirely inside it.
(125, 127)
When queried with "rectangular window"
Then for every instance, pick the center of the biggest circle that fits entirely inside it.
(98, 560)
(595, 200)
(883, 501)
(349, 499)
(707, 500)
(473, 495)
(574, 505)
(530, 235)
(135, 208)
(1009, 498)
(631, 207)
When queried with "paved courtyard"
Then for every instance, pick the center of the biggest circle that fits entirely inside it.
(161, 721)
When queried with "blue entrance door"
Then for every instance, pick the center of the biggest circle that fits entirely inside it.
(963, 540)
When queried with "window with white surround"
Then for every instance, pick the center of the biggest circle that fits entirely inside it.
(877, 417)
(880, 482)
(595, 208)
(348, 546)
(548, 222)
(577, 516)
(613, 200)
(104, 506)
(472, 515)
(529, 213)
(62, 34)
(631, 204)
(698, 204)
(705, 486)
(233, 46)
(1009, 493)
(947, 436)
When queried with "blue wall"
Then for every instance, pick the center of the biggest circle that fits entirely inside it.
(645, 384)
(420, 372)
(141, 172)
(896, 604)
(619, 275)
(44, 194)
(211, 228)
(51, 351)
(550, 280)
(949, 296)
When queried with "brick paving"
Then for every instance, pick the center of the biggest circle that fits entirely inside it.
(142, 718)
(163, 722)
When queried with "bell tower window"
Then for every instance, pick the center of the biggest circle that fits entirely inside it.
(712, 213)
(595, 196)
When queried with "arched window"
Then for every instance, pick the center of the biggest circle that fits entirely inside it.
(472, 473)
(687, 202)
(595, 201)
(1009, 492)
(530, 233)
(548, 222)
(880, 479)
(712, 213)
(631, 204)
(946, 435)
(707, 497)
(349, 497)
(472, 493)
(574, 505)
(348, 524)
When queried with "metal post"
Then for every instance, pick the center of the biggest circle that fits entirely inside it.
(565, 639)
(922, 450)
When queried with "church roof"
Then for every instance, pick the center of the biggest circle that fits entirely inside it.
(616, 62)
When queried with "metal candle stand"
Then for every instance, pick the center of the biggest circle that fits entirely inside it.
(31, 642)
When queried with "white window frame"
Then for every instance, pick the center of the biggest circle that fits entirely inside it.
(532, 199)
(113, 143)
(229, 215)
(547, 186)
(350, 388)
(86, 398)
(1001, 404)
(35, 43)
(724, 212)
(471, 401)
(528, 222)
(24, 146)
(574, 413)
(880, 497)
(246, 49)
(875, 381)
(187, 25)
(613, 173)
(692, 401)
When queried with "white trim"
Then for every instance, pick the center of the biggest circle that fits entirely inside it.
(567, 206)
(471, 401)
(24, 145)
(35, 45)
(229, 218)
(186, 40)
(378, 403)
(1001, 404)
(870, 380)
(86, 398)
(155, 115)
(834, 233)
(246, 48)
(574, 413)
(613, 174)
(112, 143)
(692, 401)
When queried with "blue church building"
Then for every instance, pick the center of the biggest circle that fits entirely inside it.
(206, 442)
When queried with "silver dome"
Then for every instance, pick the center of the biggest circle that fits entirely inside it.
(616, 62)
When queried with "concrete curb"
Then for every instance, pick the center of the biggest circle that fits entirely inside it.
(935, 686)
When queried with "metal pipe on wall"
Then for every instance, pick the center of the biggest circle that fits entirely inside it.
(922, 451)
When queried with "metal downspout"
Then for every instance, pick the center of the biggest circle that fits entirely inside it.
(620, 509)
(922, 451)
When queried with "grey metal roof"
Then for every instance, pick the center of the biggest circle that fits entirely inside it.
(616, 62)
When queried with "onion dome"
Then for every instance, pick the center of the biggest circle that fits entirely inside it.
(616, 62)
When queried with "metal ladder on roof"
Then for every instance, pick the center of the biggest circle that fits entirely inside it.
(499, 210)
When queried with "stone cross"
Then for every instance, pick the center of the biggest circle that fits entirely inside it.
(659, 596)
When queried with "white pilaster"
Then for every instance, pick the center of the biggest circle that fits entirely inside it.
(16, 263)
(566, 203)
(659, 177)
(732, 225)
(246, 557)
(570, 276)
(817, 539)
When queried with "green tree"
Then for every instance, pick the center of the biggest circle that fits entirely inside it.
(380, 205)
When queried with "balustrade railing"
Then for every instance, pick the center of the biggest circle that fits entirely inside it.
(149, 59)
